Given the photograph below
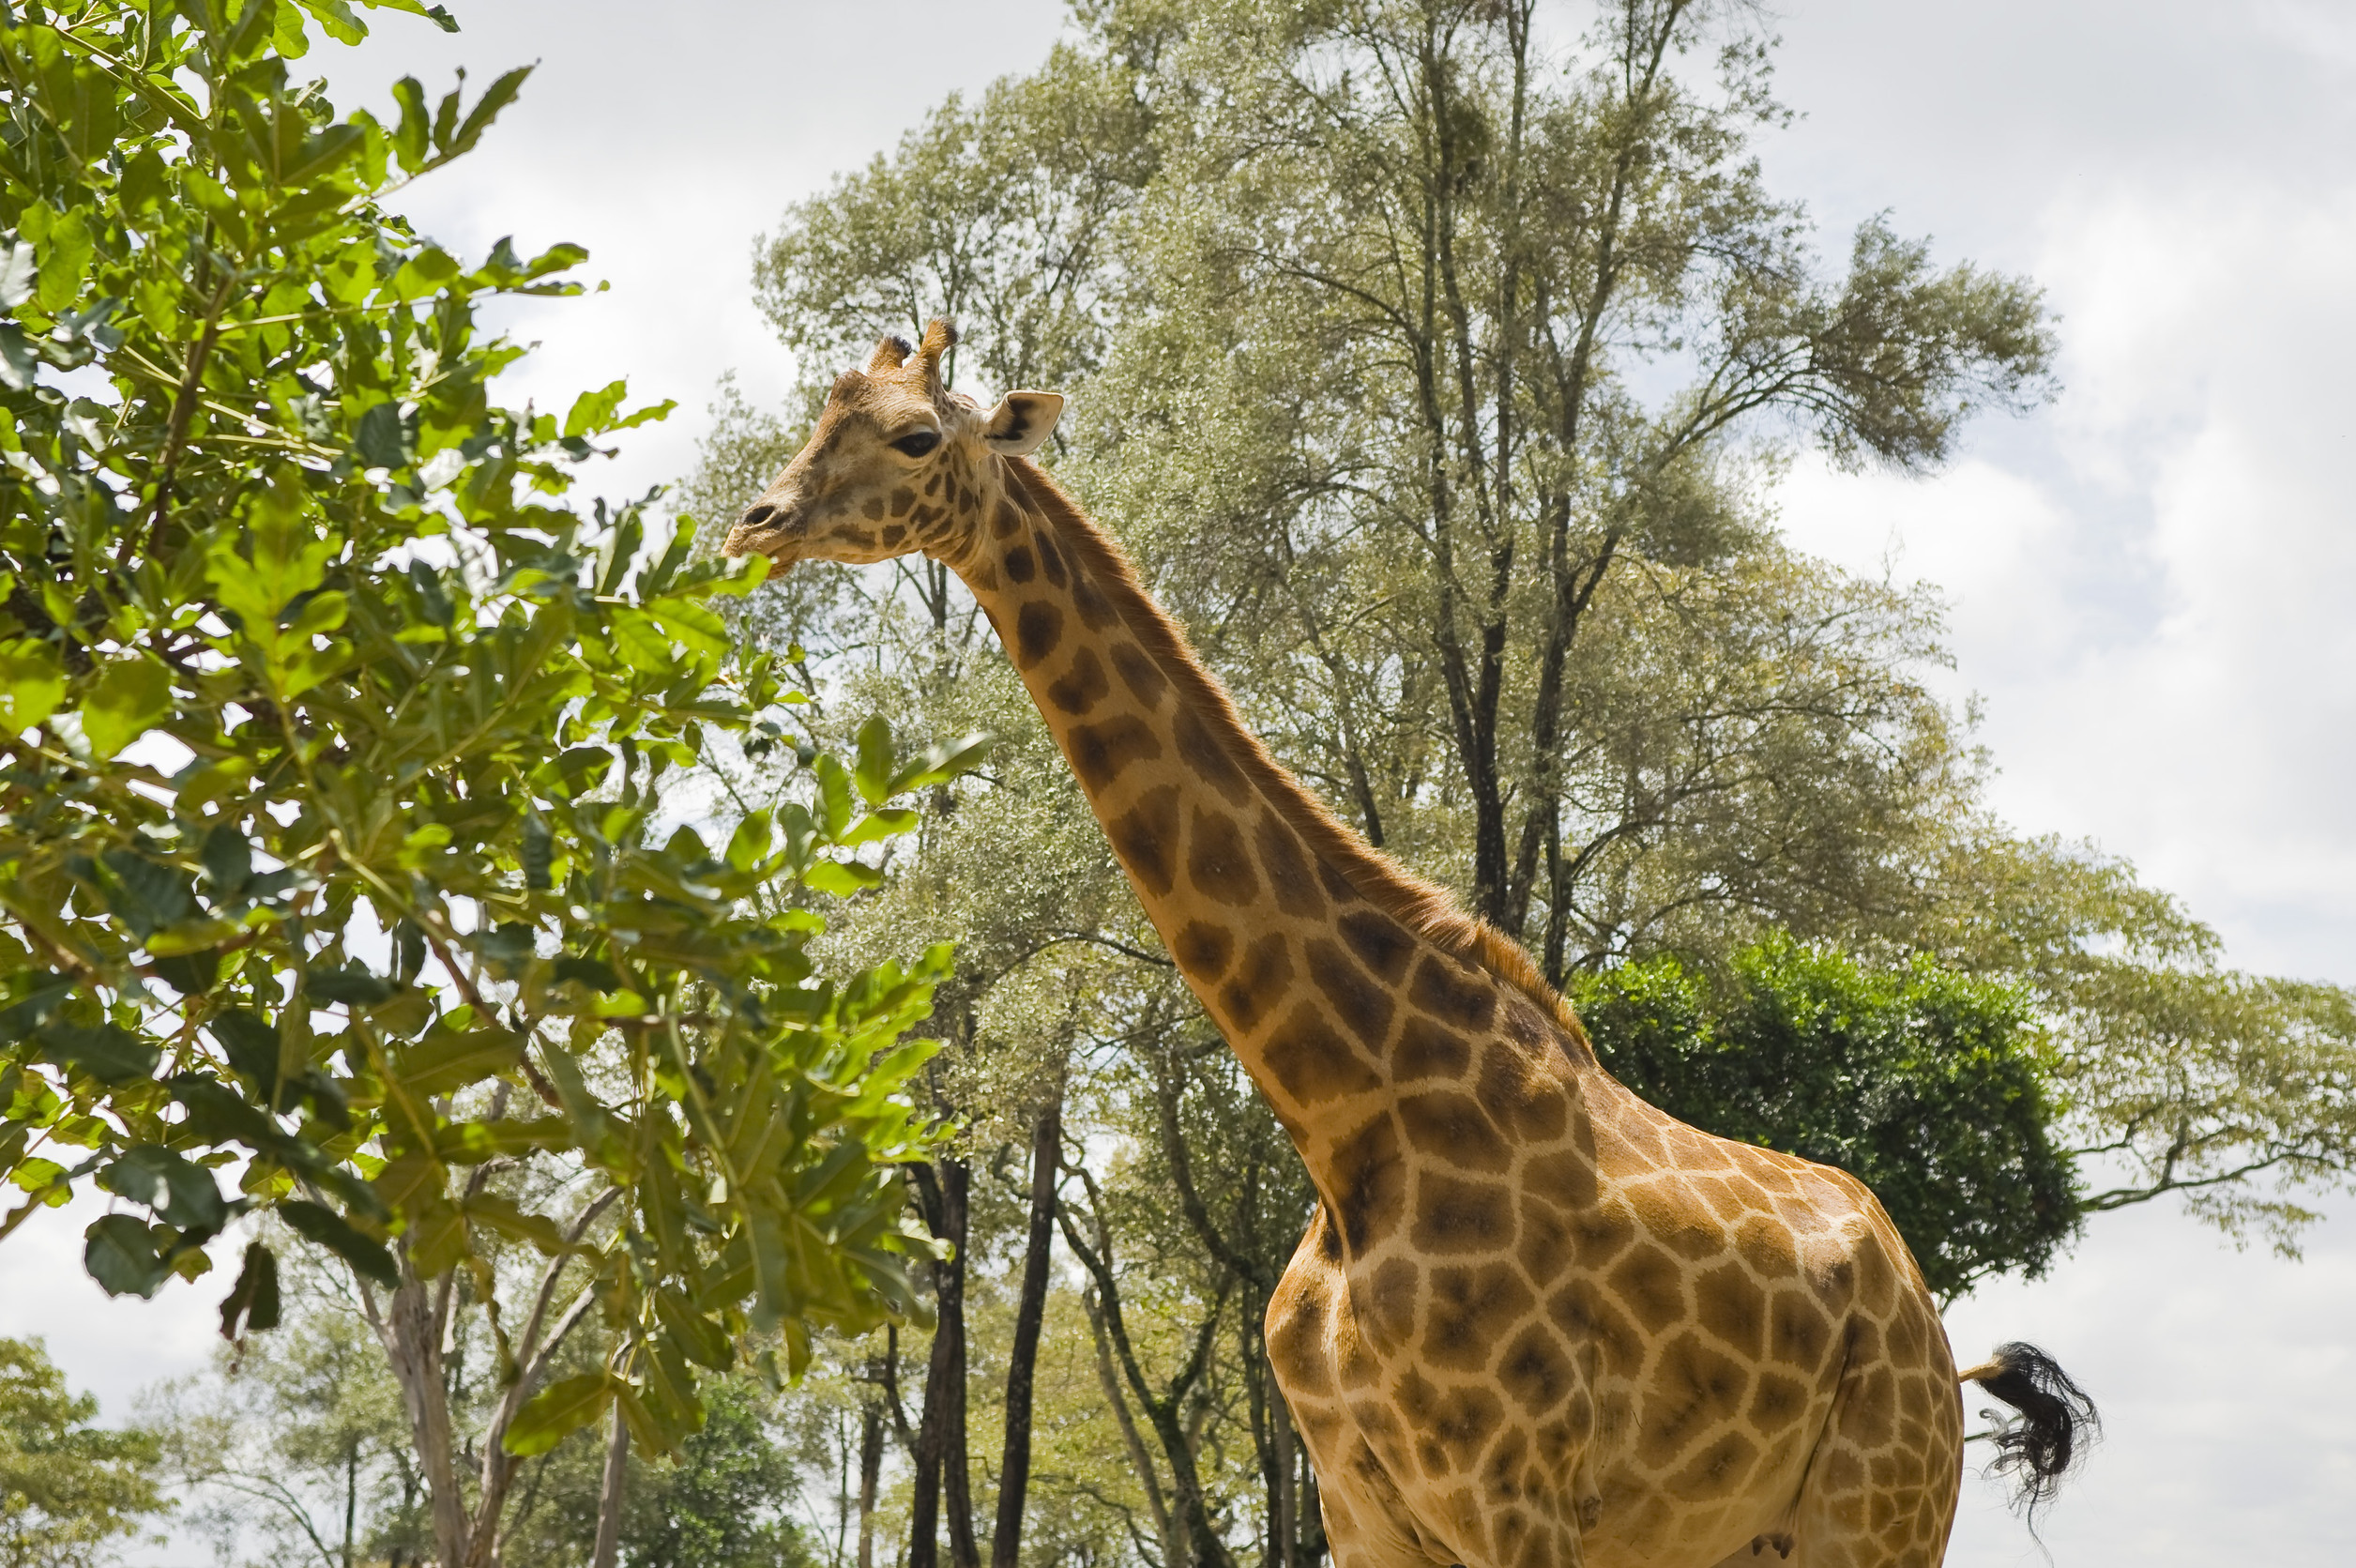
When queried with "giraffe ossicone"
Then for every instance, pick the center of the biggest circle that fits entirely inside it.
(1535, 1321)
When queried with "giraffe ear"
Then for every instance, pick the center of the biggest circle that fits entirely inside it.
(1021, 421)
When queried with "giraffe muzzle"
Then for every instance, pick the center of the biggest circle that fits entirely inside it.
(769, 530)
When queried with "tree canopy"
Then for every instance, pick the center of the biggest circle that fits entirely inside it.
(337, 861)
(1438, 361)
(70, 1489)
(1923, 1083)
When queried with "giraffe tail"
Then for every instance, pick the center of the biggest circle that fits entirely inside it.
(2056, 1420)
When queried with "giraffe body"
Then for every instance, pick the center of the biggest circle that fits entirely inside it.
(1536, 1322)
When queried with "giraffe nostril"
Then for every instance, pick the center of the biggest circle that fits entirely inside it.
(758, 515)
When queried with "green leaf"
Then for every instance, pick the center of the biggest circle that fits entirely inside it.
(500, 94)
(886, 823)
(167, 1182)
(65, 257)
(693, 624)
(842, 877)
(336, 17)
(698, 1338)
(562, 1408)
(409, 1181)
(120, 1253)
(35, 1175)
(500, 1214)
(538, 853)
(834, 795)
(129, 697)
(251, 1045)
(873, 773)
(111, 1054)
(438, 15)
(749, 845)
(588, 971)
(592, 410)
(147, 895)
(32, 683)
(252, 1301)
(351, 985)
(383, 439)
(365, 1253)
(446, 1061)
(940, 763)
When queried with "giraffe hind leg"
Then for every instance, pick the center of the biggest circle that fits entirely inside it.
(1880, 1489)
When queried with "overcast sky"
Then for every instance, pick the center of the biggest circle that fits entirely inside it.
(2149, 579)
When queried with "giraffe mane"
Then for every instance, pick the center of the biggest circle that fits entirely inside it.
(1428, 911)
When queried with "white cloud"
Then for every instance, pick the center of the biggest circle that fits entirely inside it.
(2148, 581)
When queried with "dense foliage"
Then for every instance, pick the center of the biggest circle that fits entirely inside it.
(293, 1449)
(333, 745)
(1922, 1082)
(70, 1489)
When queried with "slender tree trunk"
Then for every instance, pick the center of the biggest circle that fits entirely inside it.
(942, 1480)
(871, 1466)
(1173, 1555)
(1015, 1466)
(608, 1497)
(411, 1331)
(1280, 1420)
(351, 1499)
(1194, 1540)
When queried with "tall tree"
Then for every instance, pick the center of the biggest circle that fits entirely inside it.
(333, 735)
(1439, 367)
(69, 1489)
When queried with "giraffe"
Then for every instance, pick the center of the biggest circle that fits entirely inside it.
(1534, 1322)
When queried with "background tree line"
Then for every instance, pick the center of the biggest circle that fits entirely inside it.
(1436, 362)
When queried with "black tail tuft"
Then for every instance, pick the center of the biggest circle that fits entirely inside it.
(2050, 1434)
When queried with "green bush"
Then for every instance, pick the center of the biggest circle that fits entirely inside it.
(1920, 1082)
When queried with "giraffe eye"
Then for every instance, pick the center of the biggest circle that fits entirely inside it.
(918, 443)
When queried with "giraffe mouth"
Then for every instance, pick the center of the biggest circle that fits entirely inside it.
(769, 530)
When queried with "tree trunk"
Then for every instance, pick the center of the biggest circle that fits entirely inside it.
(1194, 1540)
(411, 1331)
(1148, 1478)
(1014, 1466)
(871, 1466)
(942, 1480)
(351, 1498)
(608, 1497)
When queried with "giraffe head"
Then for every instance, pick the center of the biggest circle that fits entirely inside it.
(897, 463)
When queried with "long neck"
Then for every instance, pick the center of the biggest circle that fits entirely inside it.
(1340, 982)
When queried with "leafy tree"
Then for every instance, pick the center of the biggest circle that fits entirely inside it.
(1439, 375)
(67, 1488)
(297, 1437)
(333, 740)
(1923, 1083)
(715, 1508)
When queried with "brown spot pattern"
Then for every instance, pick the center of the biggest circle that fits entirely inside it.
(1144, 680)
(1260, 984)
(1217, 862)
(1287, 864)
(1363, 1007)
(1202, 949)
(1102, 751)
(1037, 628)
(1313, 1063)
(1082, 687)
(1146, 839)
